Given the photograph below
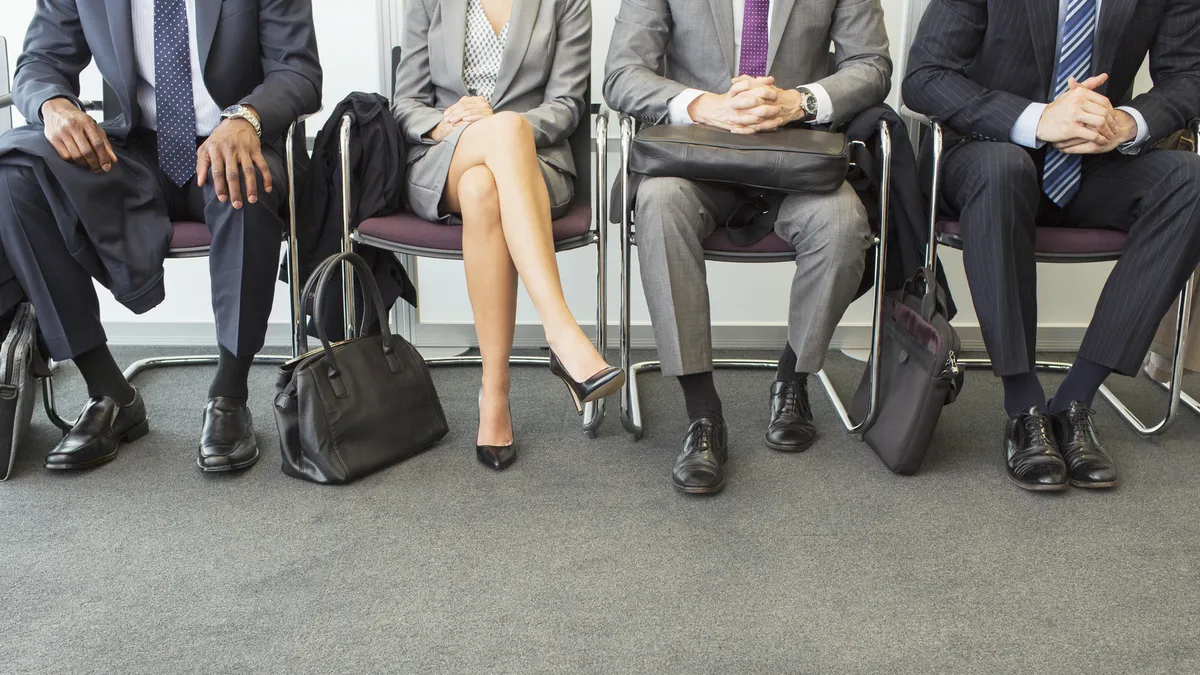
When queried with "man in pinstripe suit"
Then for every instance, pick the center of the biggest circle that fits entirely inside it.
(1041, 91)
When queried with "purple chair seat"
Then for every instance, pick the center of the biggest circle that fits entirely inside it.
(189, 237)
(409, 231)
(1060, 241)
(718, 245)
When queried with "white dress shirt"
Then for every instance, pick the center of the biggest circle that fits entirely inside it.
(677, 107)
(1024, 132)
(208, 113)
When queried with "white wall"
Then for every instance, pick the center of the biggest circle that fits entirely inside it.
(749, 301)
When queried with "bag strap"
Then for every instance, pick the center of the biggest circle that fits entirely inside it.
(362, 273)
(923, 284)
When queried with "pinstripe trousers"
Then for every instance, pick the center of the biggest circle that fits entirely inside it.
(1154, 197)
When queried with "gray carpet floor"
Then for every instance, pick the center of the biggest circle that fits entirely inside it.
(581, 559)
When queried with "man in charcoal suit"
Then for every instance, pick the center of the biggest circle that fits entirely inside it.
(747, 66)
(206, 90)
(1041, 89)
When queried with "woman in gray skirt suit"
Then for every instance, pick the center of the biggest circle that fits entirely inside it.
(488, 93)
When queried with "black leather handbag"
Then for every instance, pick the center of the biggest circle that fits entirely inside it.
(789, 159)
(21, 365)
(918, 374)
(349, 409)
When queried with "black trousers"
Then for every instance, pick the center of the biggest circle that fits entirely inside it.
(995, 188)
(243, 260)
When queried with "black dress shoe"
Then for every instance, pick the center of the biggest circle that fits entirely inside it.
(602, 384)
(227, 441)
(791, 428)
(700, 467)
(1031, 454)
(1088, 466)
(101, 428)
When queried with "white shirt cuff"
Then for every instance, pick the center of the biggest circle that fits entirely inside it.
(677, 108)
(824, 103)
(1024, 132)
(1135, 146)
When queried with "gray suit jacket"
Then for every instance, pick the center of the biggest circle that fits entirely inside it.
(259, 52)
(543, 74)
(660, 48)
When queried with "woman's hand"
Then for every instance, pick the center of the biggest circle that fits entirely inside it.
(441, 131)
(468, 109)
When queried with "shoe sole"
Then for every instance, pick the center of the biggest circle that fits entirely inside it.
(789, 448)
(132, 434)
(1094, 486)
(610, 388)
(1039, 488)
(231, 467)
(687, 490)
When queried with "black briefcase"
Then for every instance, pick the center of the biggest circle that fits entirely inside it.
(21, 364)
(789, 159)
(349, 409)
(918, 374)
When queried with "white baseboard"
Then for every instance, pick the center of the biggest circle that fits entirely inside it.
(449, 335)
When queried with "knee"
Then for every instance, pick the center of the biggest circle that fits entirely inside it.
(666, 204)
(1004, 167)
(18, 180)
(477, 192)
(511, 129)
(1183, 169)
(842, 241)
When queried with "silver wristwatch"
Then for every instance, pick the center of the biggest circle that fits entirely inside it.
(808, 103)
(242, 112)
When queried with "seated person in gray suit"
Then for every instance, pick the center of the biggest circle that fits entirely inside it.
(206, 91)
(748, 66)
(1043, 93)
(488, 93)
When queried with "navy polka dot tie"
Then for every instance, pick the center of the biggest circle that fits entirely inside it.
(755, 31)
(174, 107)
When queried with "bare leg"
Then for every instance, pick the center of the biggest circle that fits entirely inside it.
(504, 144)
(492, 285)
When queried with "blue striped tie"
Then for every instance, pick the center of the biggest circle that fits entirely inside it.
(1060, 180)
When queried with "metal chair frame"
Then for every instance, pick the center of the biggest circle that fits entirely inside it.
(1182, 323)
(631, 413)
(598, 236)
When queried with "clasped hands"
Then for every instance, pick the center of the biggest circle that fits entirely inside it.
(1084, 122)
(468, 109)
(752, 105)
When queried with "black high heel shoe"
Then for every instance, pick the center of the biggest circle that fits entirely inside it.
(497, 457)
(602, 384)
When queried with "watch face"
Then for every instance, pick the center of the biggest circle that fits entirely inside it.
(231, 110)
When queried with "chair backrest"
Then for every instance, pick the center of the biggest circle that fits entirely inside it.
(5, 87)
(581, 141)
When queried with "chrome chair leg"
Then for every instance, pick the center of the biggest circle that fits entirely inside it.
(593, 413)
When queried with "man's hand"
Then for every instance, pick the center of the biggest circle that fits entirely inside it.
(1122, 129)
(76, 137)
(750, 102)
(1080, 116)
(232, 152)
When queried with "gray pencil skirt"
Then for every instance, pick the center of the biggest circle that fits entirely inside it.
(427, 183)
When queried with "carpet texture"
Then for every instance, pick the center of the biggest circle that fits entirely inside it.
(581, 558)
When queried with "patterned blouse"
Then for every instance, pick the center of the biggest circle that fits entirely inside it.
(482, 52)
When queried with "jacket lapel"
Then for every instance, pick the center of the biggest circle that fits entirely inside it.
(779, 20)
(207, 14)
(1114, 18)
(454, 32)
(120, 25)
(520, 29)
(723, 15)
(1043, 27)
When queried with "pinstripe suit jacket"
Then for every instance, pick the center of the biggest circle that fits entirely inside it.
(977, 64)
(659, 48)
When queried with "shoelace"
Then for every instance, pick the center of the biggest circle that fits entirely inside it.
(793, 404)
(703, 434)
(1081, 419)
(1038, 430)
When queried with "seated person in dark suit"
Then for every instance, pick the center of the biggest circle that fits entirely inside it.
(206, 91)
(1042, 91)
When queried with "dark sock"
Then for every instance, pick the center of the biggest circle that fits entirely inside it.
(1022, 392)
(232, 374)
(786, 372)
(103, 376)
(700, 396)
(1081, 384)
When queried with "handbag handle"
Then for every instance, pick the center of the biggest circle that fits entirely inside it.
(933, 297)
(362, 273)
(308, 300)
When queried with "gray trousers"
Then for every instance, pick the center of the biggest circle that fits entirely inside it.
(243, 261)
(829, 232)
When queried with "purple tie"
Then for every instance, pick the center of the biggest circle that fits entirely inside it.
(754, 38)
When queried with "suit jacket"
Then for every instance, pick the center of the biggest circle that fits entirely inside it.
(259, 52)
(978, 64)
(543, 74)
(660, 48)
